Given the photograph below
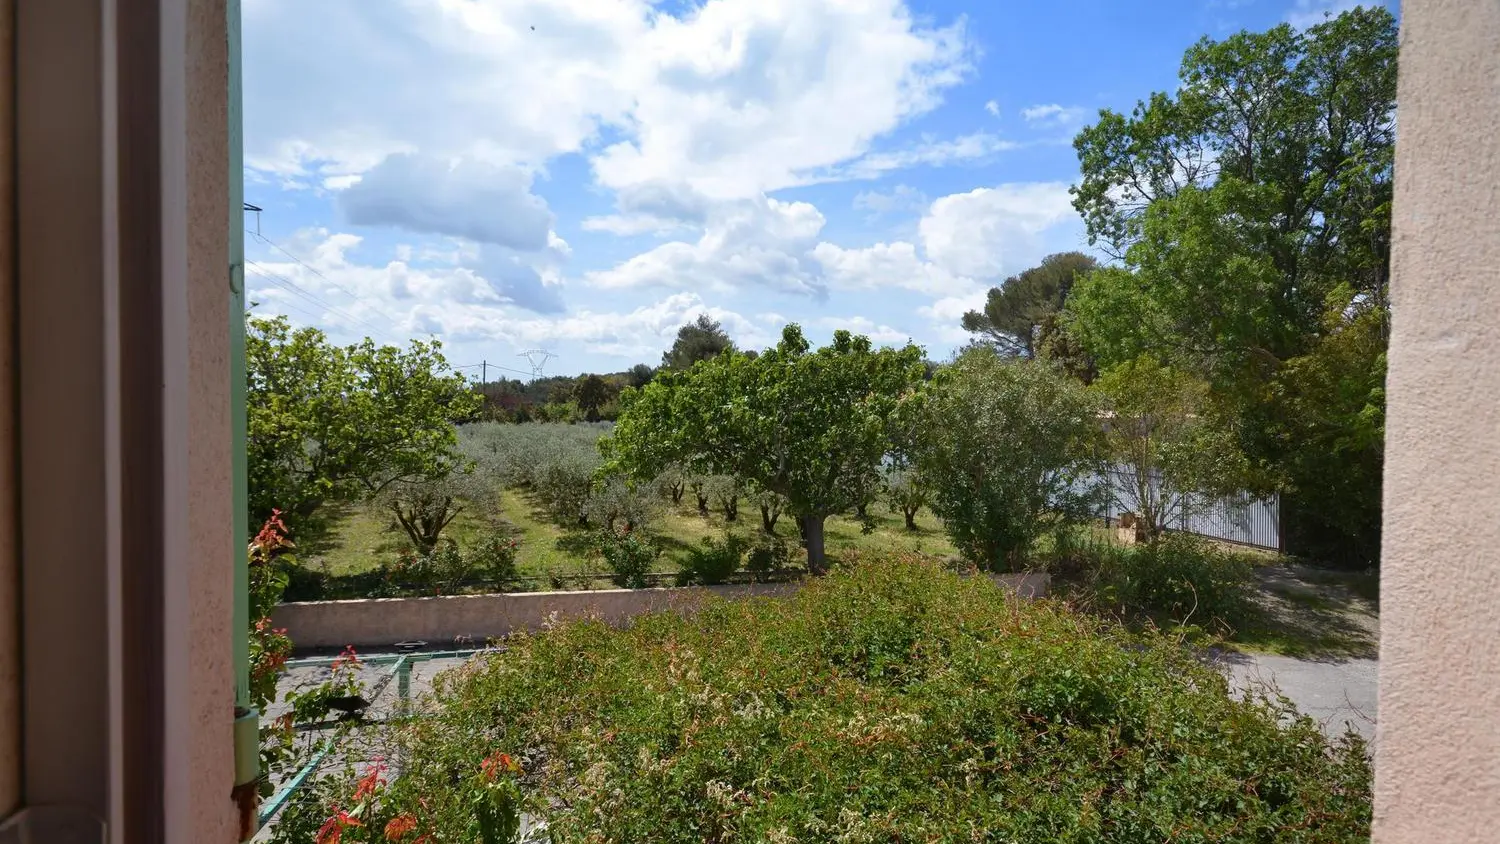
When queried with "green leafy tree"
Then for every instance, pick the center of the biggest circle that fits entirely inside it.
(333, 423)
(1240, 203)
(701, 339)
(593, 393)
(1240, 206)
(1008, 456)
(640, 375)
(1325, 426)
(1162, 442)
(1019, 315)
(809, 425)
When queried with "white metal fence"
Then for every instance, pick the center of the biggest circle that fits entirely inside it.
(1241, 518)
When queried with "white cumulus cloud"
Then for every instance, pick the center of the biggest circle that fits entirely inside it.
(753, 243)
(991, 232)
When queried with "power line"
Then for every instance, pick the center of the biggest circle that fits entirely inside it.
(292, 286)
(351, 294)
(487, 365)
(294, 307)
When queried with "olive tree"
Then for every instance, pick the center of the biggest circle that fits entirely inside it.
(810, 425)
(1009, 453)
(906, 494)
(424, 506)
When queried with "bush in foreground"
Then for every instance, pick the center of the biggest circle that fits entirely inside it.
(889, 702)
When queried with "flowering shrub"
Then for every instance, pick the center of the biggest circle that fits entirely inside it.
(269, 647)
(494, 556)
(890, 701)
(478, 801)
(629, 555)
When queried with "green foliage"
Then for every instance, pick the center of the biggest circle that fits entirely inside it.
(1180, 581)
(1325, 427)
(1243, 206)
(1018, 316)
(713, 561)
(809, 425)
(493, 555)
(488, 566)
(1011, 444)
(424, 506)
(671, 483)
(332, 423)
(478, 801)
(1163, 442)
(768, 553)
(724, 493)
(906, 494)
(701, 339)
(616, 499)
(629, 554)
(888, 702)
(594, 393)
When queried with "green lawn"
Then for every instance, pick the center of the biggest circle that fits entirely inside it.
(359, 537)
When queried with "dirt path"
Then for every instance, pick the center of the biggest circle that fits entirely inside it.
(1317, 646)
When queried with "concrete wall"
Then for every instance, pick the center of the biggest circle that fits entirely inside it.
(476, 618)
(1438, 760)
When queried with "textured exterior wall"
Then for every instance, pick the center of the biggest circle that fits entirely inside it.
(1438, 759)
(476, 618)
(199, 578)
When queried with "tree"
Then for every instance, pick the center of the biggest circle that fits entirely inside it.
(1019, 315)
(331, 423)
(640, 375)
(724, 491)
(425, 506)
(906, 494)
(701, 339)
(808, 425)
(771, 504)
(593, 392)
(1325, 426)
(1009, 453)
(1162, 442)
(1240, 206)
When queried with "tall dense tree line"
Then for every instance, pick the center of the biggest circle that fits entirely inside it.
(1247, 216)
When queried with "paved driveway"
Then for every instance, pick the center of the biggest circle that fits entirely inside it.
(1333, 693)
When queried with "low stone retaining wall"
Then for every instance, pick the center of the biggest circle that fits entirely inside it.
(477, 618)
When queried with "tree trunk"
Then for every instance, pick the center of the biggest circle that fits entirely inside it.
(677, 491)
(731, 508)
(911, 517)
(812, 528)
(859, 510)
(768, 518)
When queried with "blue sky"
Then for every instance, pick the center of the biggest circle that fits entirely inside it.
(585, 176)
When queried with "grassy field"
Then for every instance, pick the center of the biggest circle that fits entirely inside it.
(360, 538)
